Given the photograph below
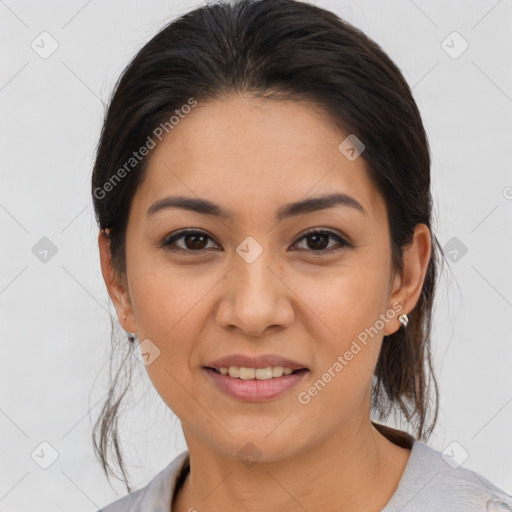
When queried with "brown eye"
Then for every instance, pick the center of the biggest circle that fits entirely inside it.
(197, 241)
(192, 241)
(318, 241)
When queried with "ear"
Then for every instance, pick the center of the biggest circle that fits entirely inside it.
(116, 286)
(408, 284)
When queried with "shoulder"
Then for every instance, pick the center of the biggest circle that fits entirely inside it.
(156, 495)
(435, 481)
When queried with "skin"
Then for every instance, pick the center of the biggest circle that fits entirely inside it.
(253, 156)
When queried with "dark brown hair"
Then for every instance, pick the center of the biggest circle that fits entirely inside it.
(284, 49)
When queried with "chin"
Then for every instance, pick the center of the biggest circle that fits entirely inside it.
(254, 446)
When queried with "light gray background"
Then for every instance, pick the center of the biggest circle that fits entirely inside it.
(54, 321)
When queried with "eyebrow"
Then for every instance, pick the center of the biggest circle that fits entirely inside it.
(206, 207)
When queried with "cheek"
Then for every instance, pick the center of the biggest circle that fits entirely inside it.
(164, 296)
(166, 308)
(345, 300)
(347, 331)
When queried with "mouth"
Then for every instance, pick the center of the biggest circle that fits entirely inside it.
(248, 373)
(250, 384)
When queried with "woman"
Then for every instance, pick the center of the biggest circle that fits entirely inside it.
(262, 188)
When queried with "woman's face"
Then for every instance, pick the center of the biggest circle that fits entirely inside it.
(252, 284)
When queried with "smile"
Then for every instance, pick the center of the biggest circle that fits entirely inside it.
(241, 372)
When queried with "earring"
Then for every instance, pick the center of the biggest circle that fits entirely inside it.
(403, 319)
(131, 337)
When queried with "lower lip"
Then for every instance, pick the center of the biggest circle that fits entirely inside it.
(255, 390)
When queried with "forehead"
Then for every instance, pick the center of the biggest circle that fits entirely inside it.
(255, 154)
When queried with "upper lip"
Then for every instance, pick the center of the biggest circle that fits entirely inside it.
(262, 361)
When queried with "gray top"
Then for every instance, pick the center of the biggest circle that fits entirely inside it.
(428, 484)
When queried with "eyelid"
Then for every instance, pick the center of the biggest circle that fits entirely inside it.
(329, 231)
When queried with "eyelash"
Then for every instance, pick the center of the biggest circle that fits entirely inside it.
(168, 243)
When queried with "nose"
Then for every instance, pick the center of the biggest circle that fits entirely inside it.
(255, 296)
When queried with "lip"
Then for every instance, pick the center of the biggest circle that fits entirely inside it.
(255, 390)
(262, 361)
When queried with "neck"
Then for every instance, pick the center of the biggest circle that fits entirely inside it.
(355, 469)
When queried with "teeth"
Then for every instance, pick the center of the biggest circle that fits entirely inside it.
(255, 373)
(277, 371)
(263, 373)
(246, 373)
